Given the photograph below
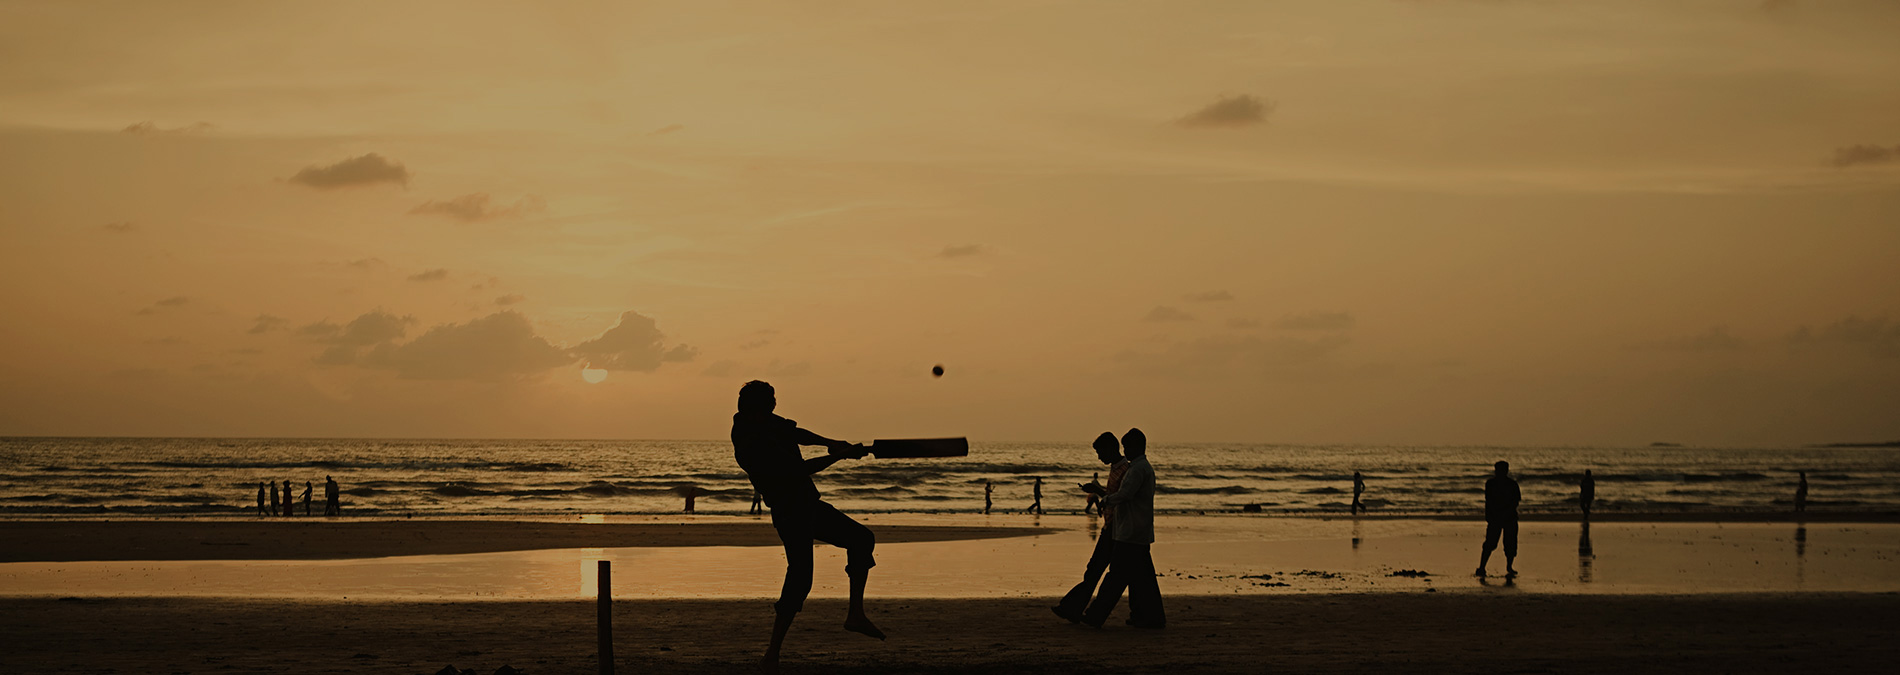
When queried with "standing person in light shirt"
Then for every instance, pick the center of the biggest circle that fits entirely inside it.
(1131, 565)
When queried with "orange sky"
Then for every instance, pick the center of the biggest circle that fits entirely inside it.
(1351, 221)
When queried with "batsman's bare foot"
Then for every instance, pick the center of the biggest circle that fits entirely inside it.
(862, 624)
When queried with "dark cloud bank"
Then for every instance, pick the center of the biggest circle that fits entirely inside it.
(499, 346)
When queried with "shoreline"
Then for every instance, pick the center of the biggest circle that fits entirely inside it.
(323, 539)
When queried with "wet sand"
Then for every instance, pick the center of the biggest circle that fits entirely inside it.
(324, 539)
(1483, 631)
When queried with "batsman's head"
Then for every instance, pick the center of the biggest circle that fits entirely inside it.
(1135, 443)
(757, 397)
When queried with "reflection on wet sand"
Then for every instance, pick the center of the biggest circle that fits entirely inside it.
(1586, 555)
(1800, 553)
(1355, 534)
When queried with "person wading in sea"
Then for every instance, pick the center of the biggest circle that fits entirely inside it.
(766, 447)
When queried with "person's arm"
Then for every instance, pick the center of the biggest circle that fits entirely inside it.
(1131, 484)
(836, 450)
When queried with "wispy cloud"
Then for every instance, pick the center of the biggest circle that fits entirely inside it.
(368, 169)
(1857, 155)
(149, 128)
(479, 206)
(120, 228)
(1878, 337)
(1229, 112)
(1164, 313)
(430, 275)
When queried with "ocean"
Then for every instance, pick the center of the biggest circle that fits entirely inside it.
(210, 477)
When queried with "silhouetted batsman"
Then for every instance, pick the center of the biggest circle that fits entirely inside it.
(1500, 518)
(766, 447)
(1109, 451)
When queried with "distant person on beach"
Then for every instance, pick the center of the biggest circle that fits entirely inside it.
(273, 498)
(766, 447)
(1587, 493)
(1801, 494)
(691, 491)
(1131, 563)
(1036, 507)
(260, 501)
(1109, 451)
(330, 505)
(758, 503)
(988, 489)
(306, 498)
(1500, 518)
(289, 501)
(1358, 488)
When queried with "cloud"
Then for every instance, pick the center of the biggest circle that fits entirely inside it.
(346, 341)
(1316, 321)
(510, 299)
(266, 323)
(173, 302)
(963, 251)
(470, 208)
(1856, 155)
(1230, 354)
(120, 228)
(1208, 296)
(1713, 340)
(1228, 112)
(495, 347)
(668, 129)
(1878, 337)
(1164, 313)
(430, 275)
(365, 170)
(148, 128)
(635, 343)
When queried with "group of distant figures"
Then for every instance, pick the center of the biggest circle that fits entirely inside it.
(284, 503)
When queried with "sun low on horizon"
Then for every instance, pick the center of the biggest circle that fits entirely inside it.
(1356, 221)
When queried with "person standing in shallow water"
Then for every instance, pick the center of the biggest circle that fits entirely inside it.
(988, 489)
(330, 505)
(1801, 494)
(1587, 493)
(306, 498)
(1358, 488)
(1500, 518)
(766, 447)
(260, 501)
(273, 498)
(1109, 451)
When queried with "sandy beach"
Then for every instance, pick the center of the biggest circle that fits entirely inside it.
(957, 594)
(1457, 632)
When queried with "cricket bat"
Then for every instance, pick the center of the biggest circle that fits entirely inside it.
(910, 448)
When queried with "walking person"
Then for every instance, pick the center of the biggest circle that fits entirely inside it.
(1131, 563)
(691, 492)
(1036, 508)
(1088, 503)
(330, 505)
(1587, 493)
(1801, 494)
(766, 447)
(1500, 518)
(260, 501)
(988, 489)
(306, 498)
(758, 503)
(1108, 450)
(1358, 488)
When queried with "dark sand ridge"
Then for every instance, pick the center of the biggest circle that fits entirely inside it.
(1497, 631)
(314, 539)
